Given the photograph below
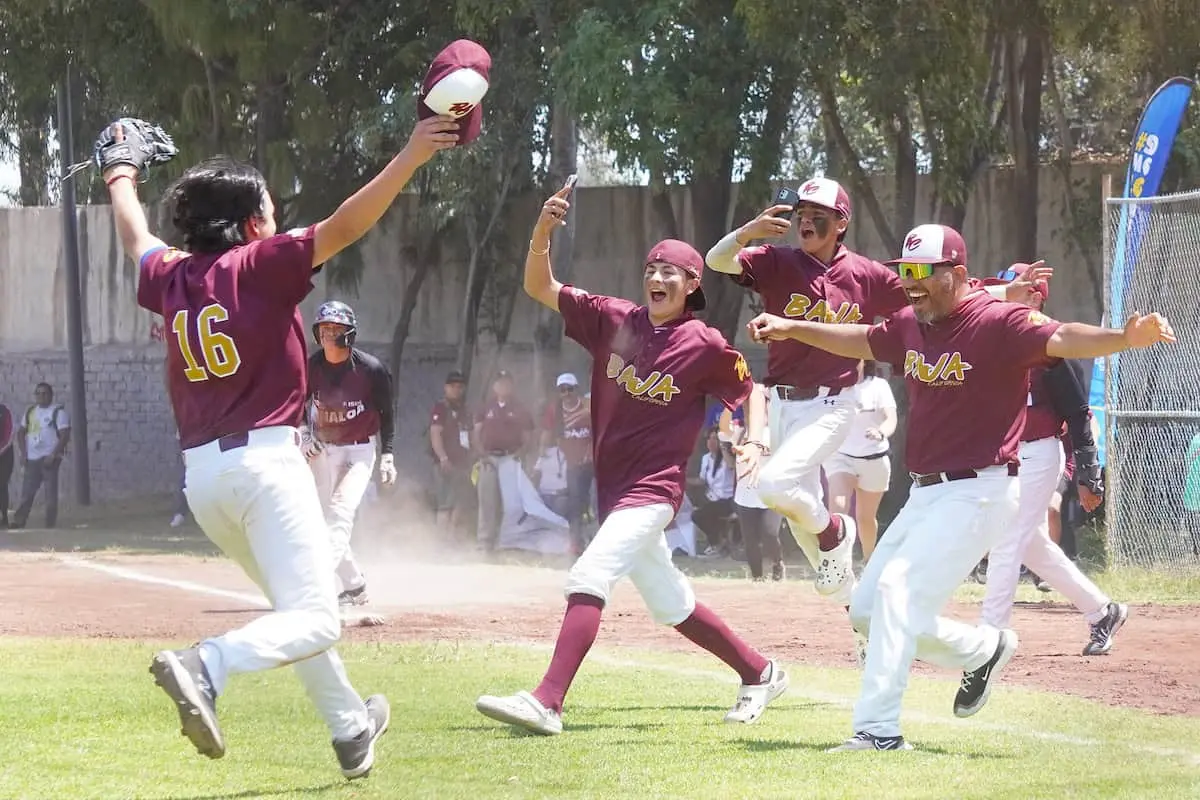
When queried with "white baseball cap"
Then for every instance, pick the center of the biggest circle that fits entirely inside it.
(567, 379)
(827, 194)
(932, 244)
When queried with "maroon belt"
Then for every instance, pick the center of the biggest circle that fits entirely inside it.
(348, 444)
(932, 478)
(804, 392)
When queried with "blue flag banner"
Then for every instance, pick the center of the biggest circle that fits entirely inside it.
(1152, 143)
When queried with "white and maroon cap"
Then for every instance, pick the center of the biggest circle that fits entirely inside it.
(827, 194)
(932, 244)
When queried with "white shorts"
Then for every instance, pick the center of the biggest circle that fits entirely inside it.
(873, 474)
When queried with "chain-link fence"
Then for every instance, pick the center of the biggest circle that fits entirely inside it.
(1152, 397)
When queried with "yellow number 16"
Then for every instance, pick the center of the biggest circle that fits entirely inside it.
(221, 357)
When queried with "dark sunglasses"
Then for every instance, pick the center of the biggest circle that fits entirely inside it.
(566, 389)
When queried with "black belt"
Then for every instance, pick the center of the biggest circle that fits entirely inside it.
(933, 478)
(804, 392)
(235, 440)
(871, 457)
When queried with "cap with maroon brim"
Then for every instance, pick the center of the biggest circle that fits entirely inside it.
(682, 255)
(932, 244)
(455, 84)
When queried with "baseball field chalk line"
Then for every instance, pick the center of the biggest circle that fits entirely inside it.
(842, 701)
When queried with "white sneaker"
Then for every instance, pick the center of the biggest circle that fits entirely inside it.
(837, 565)
(523, 710)
(753, 699)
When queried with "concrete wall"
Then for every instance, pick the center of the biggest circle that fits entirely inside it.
(133, 448)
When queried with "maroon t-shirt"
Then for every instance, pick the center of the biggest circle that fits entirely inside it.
(455, 420)
(853, 289)
(572, 428)
(351, 401)
(968, 380)
(236, 356)
(649, 385)
(503, 427)
(1041, 419)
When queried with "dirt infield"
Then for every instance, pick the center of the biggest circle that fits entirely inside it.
(102, 595)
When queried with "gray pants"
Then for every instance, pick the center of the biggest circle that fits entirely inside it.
(491, 502)
(37, 472)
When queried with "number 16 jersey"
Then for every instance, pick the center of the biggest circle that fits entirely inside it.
(236, 343)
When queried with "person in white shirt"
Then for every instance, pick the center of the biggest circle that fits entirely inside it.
(717, 475)
(759, 524)
(861, 468)
(42, 441)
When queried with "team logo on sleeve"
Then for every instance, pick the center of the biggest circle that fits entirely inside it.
(948, 370)
(657, 387)
(801, 306)
(741, 367)
(171, 253)
(1038, 318)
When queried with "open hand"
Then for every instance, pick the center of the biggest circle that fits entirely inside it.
(1023, 289)
(1143, 331)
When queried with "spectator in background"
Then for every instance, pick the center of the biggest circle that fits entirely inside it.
(861, 468)
(759, 524)
(502, 429)
(7, 433)
(450, 446)
(550, 476)
(717, 475)
(42, 440)
(567, 426)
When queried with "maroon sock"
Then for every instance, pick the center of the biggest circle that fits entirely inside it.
(580, 625)
(831, 537)
(706, 629)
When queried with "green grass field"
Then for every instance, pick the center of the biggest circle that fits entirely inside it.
(83, 719)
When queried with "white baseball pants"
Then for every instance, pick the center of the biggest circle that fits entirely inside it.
(804, 434)
(1028, 542)
(259, 504)
(343, 473)
(938, 537)
(632, 542)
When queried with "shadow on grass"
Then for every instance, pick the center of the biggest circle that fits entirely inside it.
(251, 793)
(150, 540)
(776, 745)
(575, 727)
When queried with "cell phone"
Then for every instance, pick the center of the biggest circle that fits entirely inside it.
(571, 179)
(786, 197)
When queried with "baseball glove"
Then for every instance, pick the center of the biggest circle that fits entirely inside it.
(134, 142)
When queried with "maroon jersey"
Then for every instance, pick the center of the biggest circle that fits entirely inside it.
(235, 339)
(649, 385)
(968, 379)
(793, 284)
(573, 429)
(455, 420)
(351, 401)
(1041, 418)
(503, 427)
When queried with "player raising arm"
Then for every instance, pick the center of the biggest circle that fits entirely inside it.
(236, 380)
(965, 358)
(653, 365)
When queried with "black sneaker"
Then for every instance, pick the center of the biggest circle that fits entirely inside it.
(1104, 631)
(182, 675)
(353, 597)
(869, 741)
(777, 571)
(357, 755)
(977, 684)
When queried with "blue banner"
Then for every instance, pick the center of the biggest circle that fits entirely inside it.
(1152, 143)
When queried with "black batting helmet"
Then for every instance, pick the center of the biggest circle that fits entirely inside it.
(339, 313)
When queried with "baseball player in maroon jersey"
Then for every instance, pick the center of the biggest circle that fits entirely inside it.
(1057, 401)
(653, 366)
(350, 417)
(236, 373)
(966, 358)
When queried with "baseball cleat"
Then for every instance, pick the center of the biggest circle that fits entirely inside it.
(869, 741)
(753, 699)
(1104, 631)
(837, 565)
(522, 710)
(354, 597)
(356, 756)
(183, 676)
(778, 571)
(976, 685)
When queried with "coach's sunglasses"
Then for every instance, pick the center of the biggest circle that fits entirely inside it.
(916, 272)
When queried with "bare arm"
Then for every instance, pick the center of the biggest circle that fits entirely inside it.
(888, 426)
(756, 414)
(64, 436)
(359, 212)
(540, 283)
(134, 232)
(849, 341)
(435, 441)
